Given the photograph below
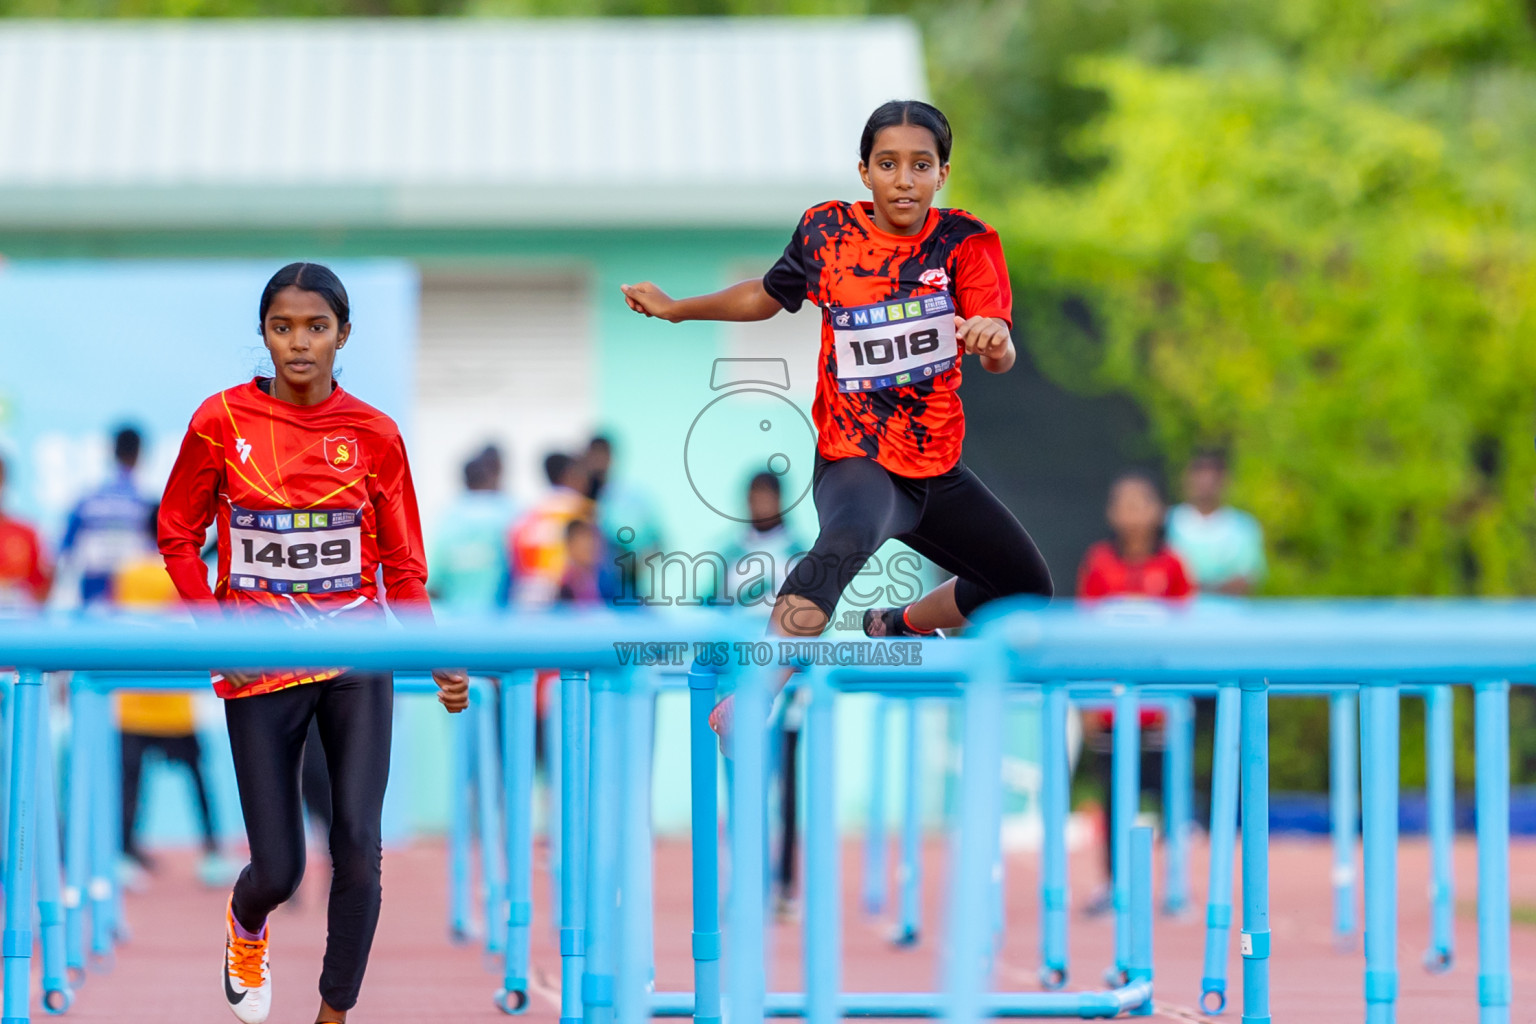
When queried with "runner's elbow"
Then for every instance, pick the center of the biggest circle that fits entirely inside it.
(761, 305)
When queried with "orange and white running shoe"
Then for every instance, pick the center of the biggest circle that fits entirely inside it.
(247, 978)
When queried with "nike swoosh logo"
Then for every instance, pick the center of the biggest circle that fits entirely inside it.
(229, 990)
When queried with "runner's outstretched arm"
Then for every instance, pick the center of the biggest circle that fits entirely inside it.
(745, 301)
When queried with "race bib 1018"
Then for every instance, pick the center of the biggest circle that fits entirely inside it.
(317, 551)
(894, 344)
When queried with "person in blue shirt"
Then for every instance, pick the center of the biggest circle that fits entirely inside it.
(1223, 547)
(111, 526)
(468, 561)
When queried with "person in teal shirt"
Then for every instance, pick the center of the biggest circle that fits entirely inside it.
(468, 560)
(1222, 546)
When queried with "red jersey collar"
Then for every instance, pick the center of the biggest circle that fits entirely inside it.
(330, 400)
(864, 213)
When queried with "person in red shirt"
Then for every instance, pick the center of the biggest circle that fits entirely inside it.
(906, 290)
(312, 498)
(1136, 564)
(24, 574)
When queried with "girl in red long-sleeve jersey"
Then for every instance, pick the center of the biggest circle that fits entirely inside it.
(312, 496)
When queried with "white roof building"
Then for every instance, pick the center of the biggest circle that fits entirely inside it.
(438, 123)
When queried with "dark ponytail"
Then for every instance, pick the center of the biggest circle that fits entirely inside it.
(309, 277)
(913, 112)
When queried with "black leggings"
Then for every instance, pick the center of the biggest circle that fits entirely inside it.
(266, 735)
(950, 519)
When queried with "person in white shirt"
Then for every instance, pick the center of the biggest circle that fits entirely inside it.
(1222, 546)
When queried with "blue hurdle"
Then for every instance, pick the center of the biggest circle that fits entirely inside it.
(517, 729)
(1249, 657)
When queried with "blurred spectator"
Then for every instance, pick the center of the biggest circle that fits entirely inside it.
(536, 542)
(583, 583)
(538, 545)
(468, 570)
(111, 526)
(626, 522)
(160, 722)
(598, 461)
(1223, 547)
(1135, 563)
(758, 559)
(24, 575)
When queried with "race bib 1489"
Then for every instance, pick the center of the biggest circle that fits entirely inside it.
(894, 344)
(286, 552)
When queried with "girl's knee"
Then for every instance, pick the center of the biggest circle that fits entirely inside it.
(273, 884)
(357, 854)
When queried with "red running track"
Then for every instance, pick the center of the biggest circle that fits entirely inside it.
(169, 970)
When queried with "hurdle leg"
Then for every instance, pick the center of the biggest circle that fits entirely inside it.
(646, 853)
(967, 942)
(749, 782)
(1255, 784)
(1380, 716)
(1054, 797)
(77, 834)
(105, 809)
(635, 926)
(1124, 804)
(518, 725)
(1492, 738)
(1343, 810)
(605, 743)
(119, 916)
(705, 794)
(1218, 910)
(911, 872)
(875, 852)
(459, 825)
(20, 846)
(1139, 963)
(50, 909)
(492, 839)
(1441, 796)
(1178, 794)
(573, 871)
(552, 830)
(7, 712)
(823, 881)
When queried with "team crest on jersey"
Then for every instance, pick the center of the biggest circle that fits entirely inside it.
(341, 453)
(935, 278)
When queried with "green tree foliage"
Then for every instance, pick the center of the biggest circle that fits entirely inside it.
(1337, 289)
(1310, 239)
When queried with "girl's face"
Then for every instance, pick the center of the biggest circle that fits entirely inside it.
(1135, 510)
(903, 174)
(763, 504)
(303, 337)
